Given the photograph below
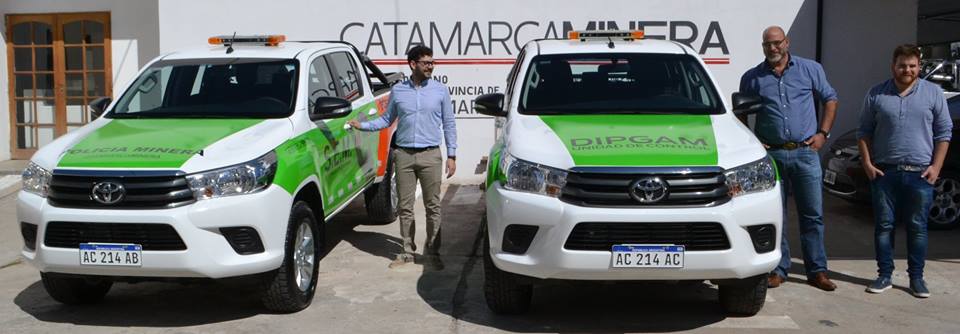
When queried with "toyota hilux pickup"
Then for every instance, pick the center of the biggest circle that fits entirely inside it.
(220, 162)
(619, 160)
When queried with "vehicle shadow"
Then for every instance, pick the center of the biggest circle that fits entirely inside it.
(149, 304)
(457, 291)
(343, 228)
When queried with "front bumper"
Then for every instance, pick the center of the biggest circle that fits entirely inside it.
(546, 258)
(208, 253)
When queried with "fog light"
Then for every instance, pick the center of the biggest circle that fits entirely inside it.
(29, 233)
(244, 240)
(764, 237)
(517, 238)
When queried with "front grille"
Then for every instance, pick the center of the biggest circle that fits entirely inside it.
(158, 237)
(686, 187)
(141, 191)
(602, 236)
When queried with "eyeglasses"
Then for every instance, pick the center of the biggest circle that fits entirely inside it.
(428, 63)
(776, 43)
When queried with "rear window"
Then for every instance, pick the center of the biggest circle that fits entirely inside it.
(617, 83)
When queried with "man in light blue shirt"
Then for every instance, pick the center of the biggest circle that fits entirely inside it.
(787, 126)
(904, 133)
(421, 107)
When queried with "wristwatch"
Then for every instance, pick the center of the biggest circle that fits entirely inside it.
(825, 134)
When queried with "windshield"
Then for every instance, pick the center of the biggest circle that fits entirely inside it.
(212, 88)
(617, 83)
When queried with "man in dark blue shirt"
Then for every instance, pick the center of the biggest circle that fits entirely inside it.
(787, 126)
(905, 130)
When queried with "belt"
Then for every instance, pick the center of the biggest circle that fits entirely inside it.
(417, 149)
(903, 167)
(790, 145)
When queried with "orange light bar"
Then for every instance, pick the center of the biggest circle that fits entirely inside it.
(268, 40)
(626, 35)
(274, 40)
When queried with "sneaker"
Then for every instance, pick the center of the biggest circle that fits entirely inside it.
(918, 287)
(880, 285)
(401, 260)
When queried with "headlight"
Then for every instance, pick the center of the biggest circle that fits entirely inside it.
(245, 178)
(532, 178)
(36, 180)
(752, 177)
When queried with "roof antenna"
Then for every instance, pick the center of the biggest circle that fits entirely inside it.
(230, 45)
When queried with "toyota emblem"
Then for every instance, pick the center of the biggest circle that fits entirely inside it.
(108, 192)
(649, 190)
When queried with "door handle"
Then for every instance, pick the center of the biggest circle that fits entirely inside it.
(346, 126)
(372, 112)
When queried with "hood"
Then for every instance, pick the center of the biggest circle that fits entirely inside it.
(635, 140)
(149, 143)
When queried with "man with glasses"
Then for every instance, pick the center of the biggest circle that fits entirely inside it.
(905, 130)
(421, 107)
(787, 126)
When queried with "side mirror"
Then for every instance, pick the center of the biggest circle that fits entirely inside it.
(490, 105)
(98, 106)
(326, 107)
(746, 103)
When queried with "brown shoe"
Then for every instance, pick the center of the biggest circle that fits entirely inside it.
(774, 280)
(820, 281)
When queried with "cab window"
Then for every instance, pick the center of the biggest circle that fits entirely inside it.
(320, 82)
(346, 75)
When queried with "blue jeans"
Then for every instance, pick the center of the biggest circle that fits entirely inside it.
(800, 173)
(904, 197)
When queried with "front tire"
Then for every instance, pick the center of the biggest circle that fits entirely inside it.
(381, 199)
(291, 287)
(75, 290)
(744, 297)
(501, 289)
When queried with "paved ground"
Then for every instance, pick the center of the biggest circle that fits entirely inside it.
(359, 294)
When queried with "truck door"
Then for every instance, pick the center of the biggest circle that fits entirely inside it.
(332, 140)
(363, 144)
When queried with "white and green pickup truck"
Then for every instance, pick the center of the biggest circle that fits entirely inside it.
(219, 162)
(619, 160)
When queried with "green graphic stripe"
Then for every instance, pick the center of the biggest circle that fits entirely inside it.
(150, 143)
(494, 173)
(636, 140)
(343, 160)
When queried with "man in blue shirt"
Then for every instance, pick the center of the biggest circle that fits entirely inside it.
(421, 107)
(787, 126)
(905, 129)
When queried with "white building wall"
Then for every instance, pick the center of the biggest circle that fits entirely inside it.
(135, 40)
(858, 41)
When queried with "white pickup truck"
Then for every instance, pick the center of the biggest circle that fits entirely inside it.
(218, 162)
(620, 160)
